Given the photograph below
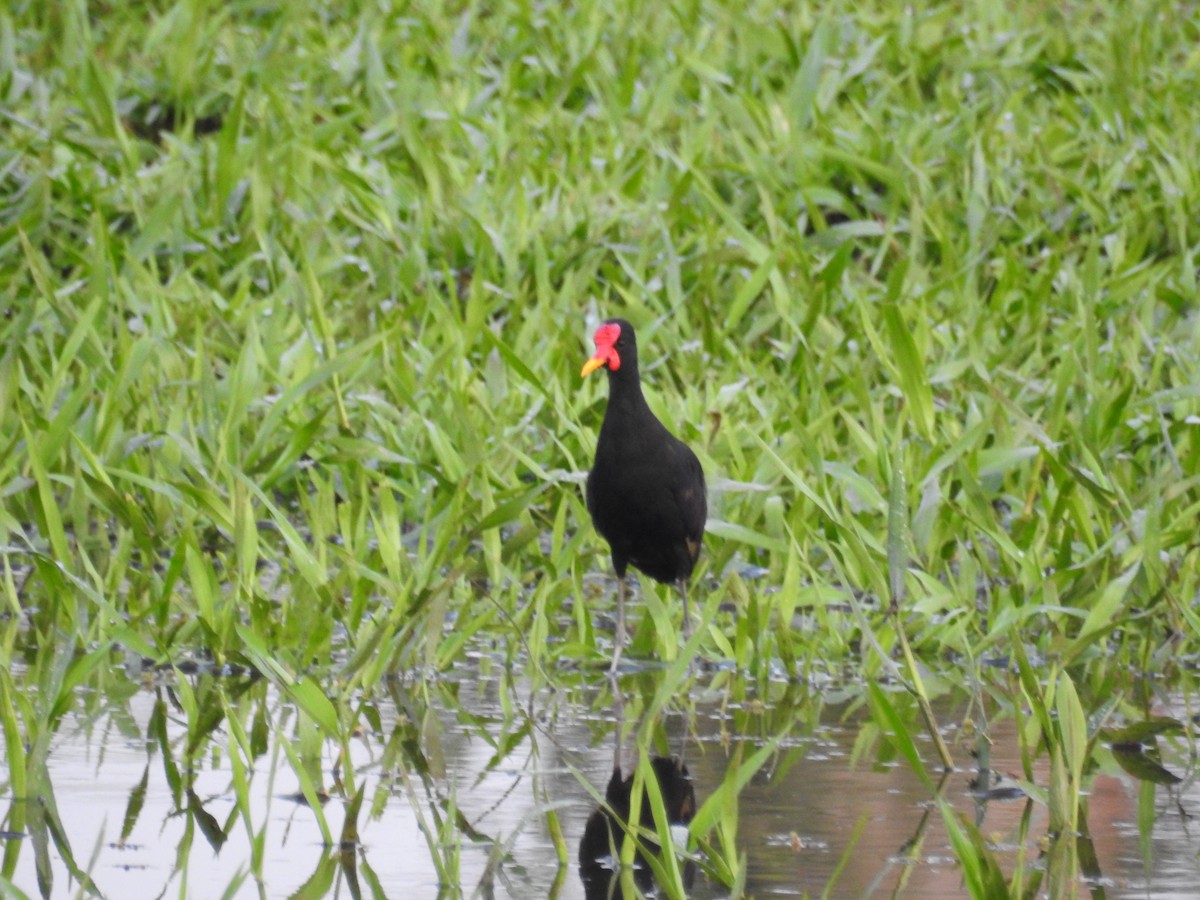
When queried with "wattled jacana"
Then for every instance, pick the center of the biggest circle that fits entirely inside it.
(646, 488)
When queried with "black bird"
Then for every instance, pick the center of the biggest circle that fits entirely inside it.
(646, 488)
(604, 831)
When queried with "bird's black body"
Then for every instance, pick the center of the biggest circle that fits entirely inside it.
(646, 489)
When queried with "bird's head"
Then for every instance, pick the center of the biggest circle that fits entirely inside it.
(612, 338)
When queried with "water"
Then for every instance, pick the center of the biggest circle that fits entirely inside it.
(462, 746)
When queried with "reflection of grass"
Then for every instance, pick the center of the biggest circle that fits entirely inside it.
(294, 300)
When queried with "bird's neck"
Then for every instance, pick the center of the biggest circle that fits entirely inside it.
(625, 397)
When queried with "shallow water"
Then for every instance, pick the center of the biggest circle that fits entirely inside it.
(830, 792)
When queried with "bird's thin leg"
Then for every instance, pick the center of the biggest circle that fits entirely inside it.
(619, 637)
(687, 636)
(687, 619)
(619, 710)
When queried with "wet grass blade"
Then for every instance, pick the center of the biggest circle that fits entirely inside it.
(845, 859)
(897, 562)
(981, 872)
(910, 368)
(305, 692)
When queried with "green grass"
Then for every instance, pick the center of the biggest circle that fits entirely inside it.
(295, 296)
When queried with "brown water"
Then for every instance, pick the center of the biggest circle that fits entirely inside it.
(826, 794)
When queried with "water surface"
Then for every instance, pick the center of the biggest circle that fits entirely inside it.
(463, 750)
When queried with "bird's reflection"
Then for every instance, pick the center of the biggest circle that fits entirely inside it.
(604, 832)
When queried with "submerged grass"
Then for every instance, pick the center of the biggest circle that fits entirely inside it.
(294, 299)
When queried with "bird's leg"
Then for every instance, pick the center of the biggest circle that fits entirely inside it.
(619, 710)
(619, 637)
(687, 619)
(687, 630)
(687, 636)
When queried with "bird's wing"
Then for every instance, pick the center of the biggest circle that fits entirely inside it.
(690, 493)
